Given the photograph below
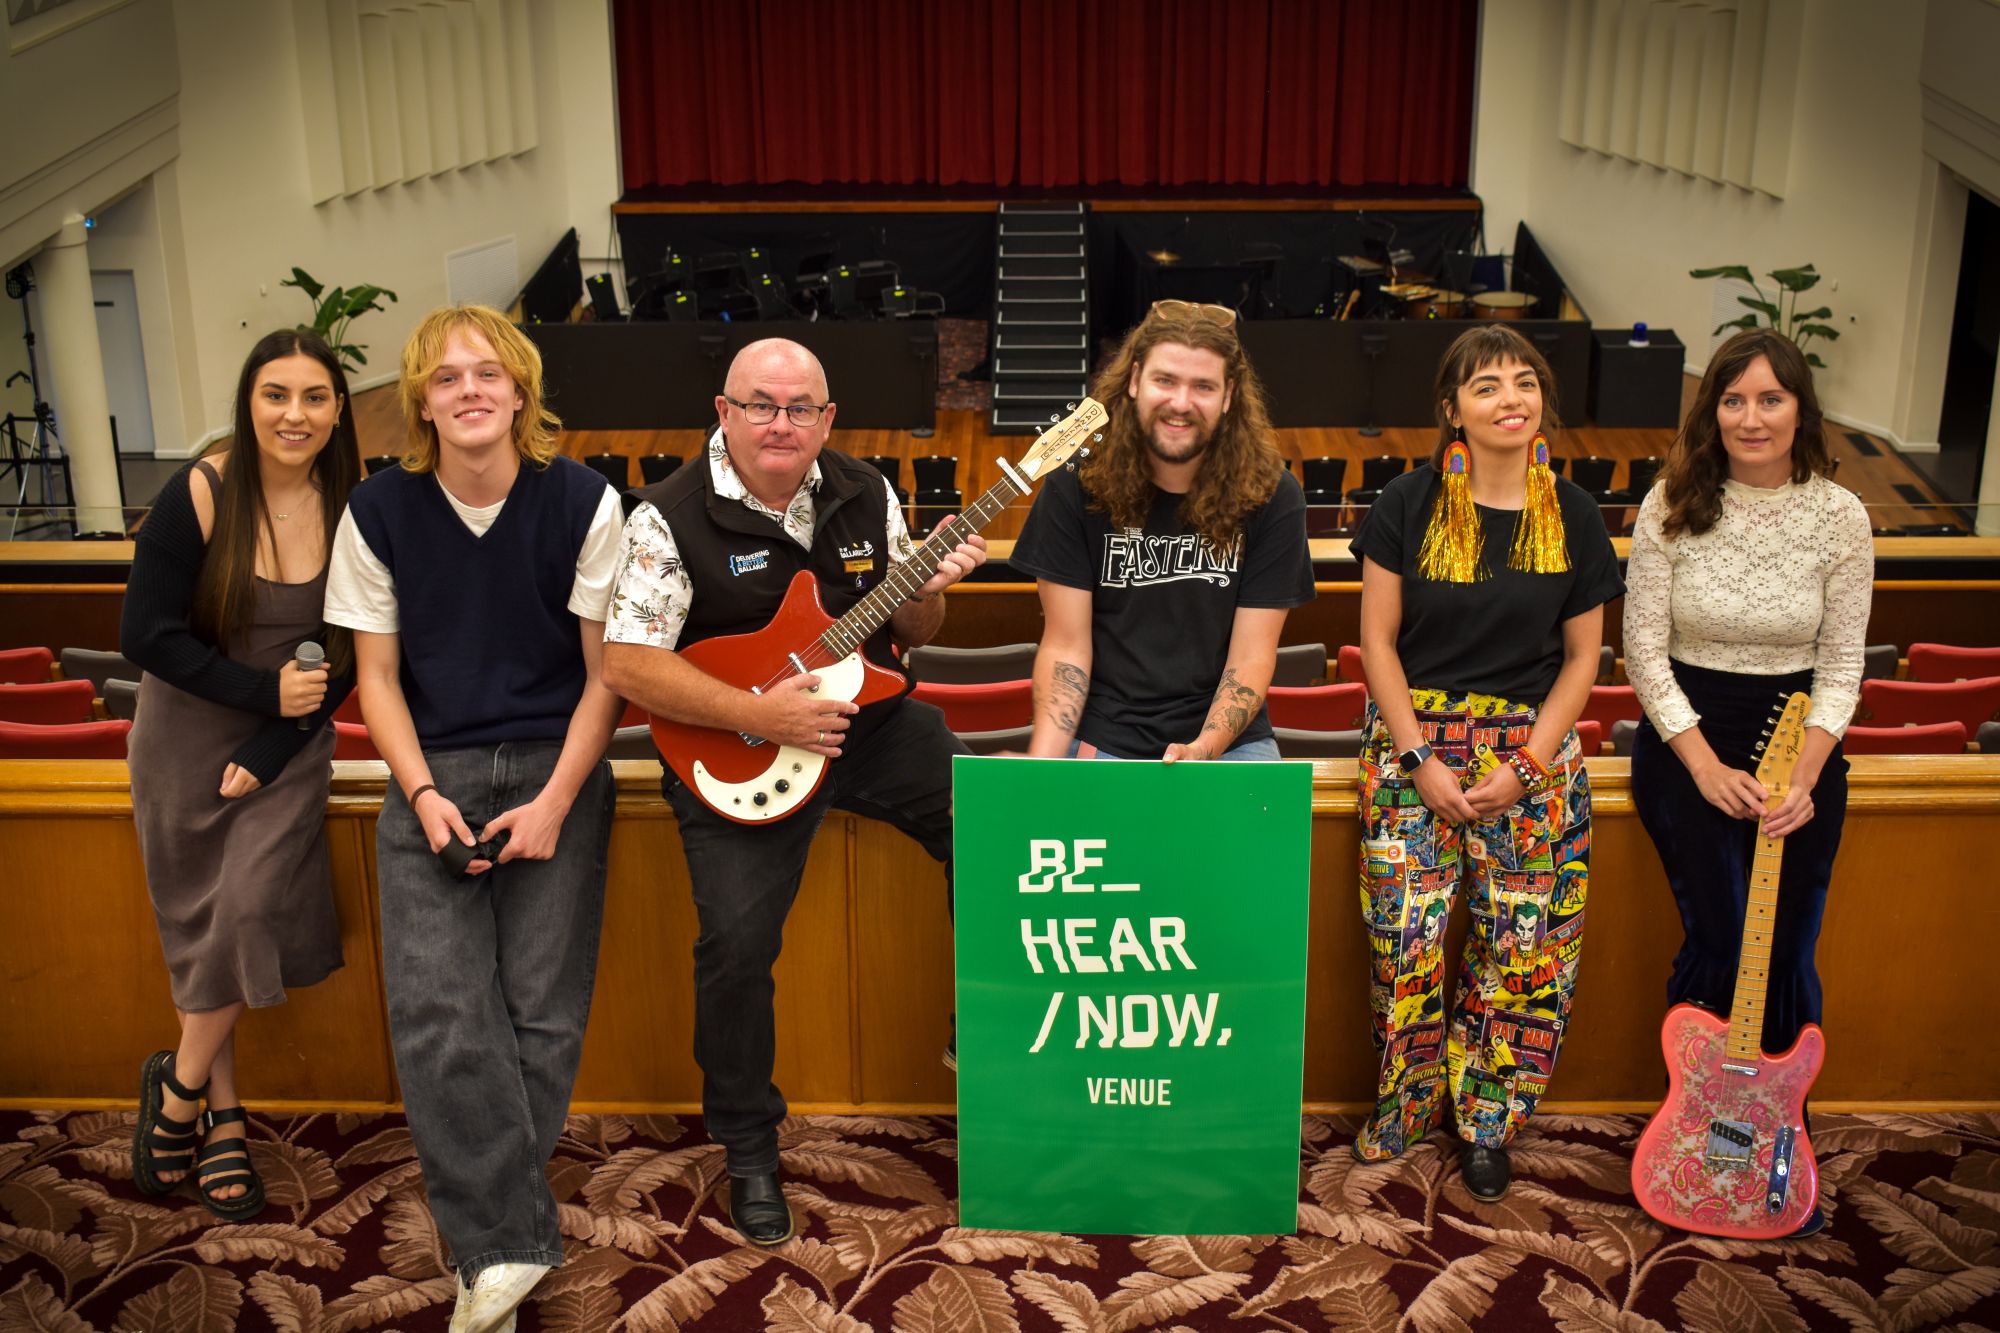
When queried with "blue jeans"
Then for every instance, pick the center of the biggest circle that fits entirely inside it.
(1264, 748)
(745, 878)
(489, 983)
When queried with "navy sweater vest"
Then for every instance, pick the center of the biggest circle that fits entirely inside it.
(491, 651)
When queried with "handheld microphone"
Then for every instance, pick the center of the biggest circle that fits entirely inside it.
(310, 657)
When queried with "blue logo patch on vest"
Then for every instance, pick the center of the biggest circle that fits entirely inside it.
(744, 564)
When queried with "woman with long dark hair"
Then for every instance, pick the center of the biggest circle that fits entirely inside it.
(1483, 584)
(1750, 579)
(230, 746)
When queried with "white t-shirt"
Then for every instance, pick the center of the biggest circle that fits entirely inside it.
(361, 592)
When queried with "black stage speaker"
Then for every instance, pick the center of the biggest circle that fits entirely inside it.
(603, 298)
(1636, 385)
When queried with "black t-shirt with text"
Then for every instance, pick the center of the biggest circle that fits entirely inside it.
(1503, 634)
(1163, 603)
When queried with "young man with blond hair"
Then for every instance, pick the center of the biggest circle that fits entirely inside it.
(476, 579)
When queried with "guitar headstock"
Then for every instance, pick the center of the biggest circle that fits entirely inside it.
(1053, 446)
(1781, 746)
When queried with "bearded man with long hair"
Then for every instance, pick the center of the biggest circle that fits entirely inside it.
(1167, 562)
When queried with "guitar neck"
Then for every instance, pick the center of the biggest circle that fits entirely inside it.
(868, 615)
(1753, 960)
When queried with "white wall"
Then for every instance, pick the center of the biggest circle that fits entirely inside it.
(89, 112)
(246, 203)
(1625, 235)
(211, 92)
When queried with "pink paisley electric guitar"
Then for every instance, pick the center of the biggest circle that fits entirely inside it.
(1727, 1155)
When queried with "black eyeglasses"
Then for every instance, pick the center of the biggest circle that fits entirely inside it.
(802, 415)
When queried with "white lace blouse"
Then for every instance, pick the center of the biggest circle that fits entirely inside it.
(1781, 583)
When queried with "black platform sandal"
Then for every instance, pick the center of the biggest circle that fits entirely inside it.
(233, 1156)
(159, 1141)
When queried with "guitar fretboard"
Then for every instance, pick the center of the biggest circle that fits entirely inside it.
(1753, 963)
(868, 615)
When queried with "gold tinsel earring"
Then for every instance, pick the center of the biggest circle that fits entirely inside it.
(1454, 541)
(1540, 546)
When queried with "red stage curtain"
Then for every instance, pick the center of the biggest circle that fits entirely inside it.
(1046, 93)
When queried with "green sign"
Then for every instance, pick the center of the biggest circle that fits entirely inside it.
(1131, 994)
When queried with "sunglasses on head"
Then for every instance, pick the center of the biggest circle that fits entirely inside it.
(1221, 314)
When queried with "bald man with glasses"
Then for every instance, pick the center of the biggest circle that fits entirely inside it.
(710, 552)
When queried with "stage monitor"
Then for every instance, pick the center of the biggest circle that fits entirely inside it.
(557, 286)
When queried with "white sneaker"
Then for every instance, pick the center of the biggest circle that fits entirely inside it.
(487, 1306)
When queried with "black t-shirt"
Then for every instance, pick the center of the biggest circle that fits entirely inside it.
(1162, 605)
(1503, 634)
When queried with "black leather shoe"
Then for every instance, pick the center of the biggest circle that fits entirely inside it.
(757, 1206)
(1485, 1171)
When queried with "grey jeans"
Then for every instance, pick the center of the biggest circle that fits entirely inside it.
(489, 983)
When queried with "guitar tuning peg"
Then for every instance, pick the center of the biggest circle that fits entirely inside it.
(1084, 452)
(1069, 407)
(1098, 438)
(1054, 417)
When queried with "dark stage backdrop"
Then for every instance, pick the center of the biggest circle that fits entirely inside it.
(1046, 94)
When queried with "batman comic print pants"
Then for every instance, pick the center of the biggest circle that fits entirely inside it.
(1525, 873)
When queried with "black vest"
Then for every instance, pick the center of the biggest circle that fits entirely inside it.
(491, 651)
(741, 562)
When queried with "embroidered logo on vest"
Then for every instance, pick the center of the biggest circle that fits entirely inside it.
(856, 551)
(745, 564)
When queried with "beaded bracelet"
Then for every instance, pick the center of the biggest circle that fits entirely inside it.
(1532, 772)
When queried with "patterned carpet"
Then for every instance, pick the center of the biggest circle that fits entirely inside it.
(348, 1243)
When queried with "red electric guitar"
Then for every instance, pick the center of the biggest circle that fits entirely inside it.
(753, 781)
(1727, 1155)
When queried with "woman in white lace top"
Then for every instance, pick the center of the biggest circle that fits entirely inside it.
(1749, 579)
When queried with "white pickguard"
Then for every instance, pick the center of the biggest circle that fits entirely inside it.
(793, 774)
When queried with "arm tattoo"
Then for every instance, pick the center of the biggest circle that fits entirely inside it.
(1069, 686)
(1235, 705)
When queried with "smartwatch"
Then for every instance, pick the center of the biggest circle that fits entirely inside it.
(1412, 760)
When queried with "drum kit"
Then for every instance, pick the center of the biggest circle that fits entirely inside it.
(1377, 291)
(1418, 300)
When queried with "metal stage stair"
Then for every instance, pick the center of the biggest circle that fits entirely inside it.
(1041, 316)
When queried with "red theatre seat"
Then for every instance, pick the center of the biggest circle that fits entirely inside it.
(50, 702)
(1347, 665)
(350, 708)
(350, 741)
(1898, 703)
(1936, 738)
(1318, 707)
(1590, 738)
(25, 666)
(74, 740)
(1942, 662)
(995, 706)
(1612, 703)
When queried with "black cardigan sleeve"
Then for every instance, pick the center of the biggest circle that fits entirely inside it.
(156, 632)
(273, 745)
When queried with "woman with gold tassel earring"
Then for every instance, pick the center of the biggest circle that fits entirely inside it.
(1483, 584)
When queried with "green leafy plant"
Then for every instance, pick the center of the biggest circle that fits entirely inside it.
(334, 310)
(1784, 315)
